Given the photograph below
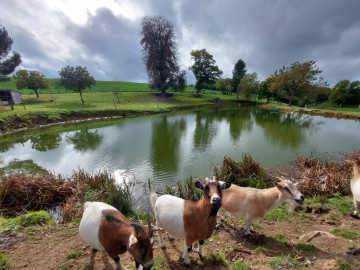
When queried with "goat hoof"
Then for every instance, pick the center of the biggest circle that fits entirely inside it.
(201, 257)
(354, 216)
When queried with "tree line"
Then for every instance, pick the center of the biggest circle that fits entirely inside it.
(298, 84)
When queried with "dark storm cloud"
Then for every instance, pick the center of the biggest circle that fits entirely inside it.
(267, 35)
(112, 44)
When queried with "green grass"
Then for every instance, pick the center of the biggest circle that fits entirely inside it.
(160, 262)
(19, 223)
(73, 254)
(240, 266)
(279, 213)
(345, 233)
(305, 247)
(342, 264)
(4, 262)
(343, 204)
(284, 261)
(216, 259)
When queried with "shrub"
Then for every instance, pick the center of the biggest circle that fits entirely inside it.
(246, 172)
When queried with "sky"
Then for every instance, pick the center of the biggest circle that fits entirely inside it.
(104, 35)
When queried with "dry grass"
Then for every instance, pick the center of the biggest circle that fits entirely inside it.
(324, 177)
(21, 193)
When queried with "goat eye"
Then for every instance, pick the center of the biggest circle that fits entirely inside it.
(207, 189)
(288, 190)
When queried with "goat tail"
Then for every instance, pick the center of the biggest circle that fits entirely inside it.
(153, 198)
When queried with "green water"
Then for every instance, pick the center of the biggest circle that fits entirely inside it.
(170, 147)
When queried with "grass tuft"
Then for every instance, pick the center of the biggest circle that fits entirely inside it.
(345, 233)
(4, 262)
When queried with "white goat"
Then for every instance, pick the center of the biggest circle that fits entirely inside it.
(187, 219)
(253, 203)
(103, 227)
(355, 188)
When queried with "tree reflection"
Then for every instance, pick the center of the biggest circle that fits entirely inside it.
(239, 121)
(287, 129)
(45, 142)
(85, 140)
(205, 130)
(166, 137)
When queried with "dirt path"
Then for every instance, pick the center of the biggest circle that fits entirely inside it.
(60, 247)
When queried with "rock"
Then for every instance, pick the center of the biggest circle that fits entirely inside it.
(307, 237)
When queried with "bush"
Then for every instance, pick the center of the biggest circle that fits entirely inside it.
(246, 173)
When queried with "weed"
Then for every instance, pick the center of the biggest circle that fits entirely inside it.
(279, 213)
(343, 203)
(73, 254)
(246, 172)
(345, 233)
(305, 247)
(160, 262)
(284, 261)
(240, 266)
(185, 189)
(343, 264)
(31, 219)
(4, 262)
(216, 259)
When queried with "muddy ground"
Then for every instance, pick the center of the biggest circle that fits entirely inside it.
(60, 247)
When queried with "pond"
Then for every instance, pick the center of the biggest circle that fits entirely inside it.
(170, 147)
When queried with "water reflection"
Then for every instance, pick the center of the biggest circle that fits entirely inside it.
(165, 142)
(175, 146)
(85, 140)
(45, 141)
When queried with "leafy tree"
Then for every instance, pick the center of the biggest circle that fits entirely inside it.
(346, 92)
(264, 90)
(224, 85)
(238, 73)
(204, 69)
(7, 65)
(76, 79)
(291, 82)
(33, 80)
(178, 83)
(159, 51)
(249, 85)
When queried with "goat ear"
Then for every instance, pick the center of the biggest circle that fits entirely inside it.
(132, 240)
(199, 185)
(277, 184)
(225, 185)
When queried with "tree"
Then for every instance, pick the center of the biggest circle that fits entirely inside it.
(76, 79)
(204, 69)
(159, 51)
(7, 65)
(238, 73)
(224, 85)
(264, 90)
(291, 82)
(33, 80)
(249, 85)
(346, 92)
(178, 83)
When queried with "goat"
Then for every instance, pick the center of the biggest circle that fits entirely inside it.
(103, 227)
(187, 219)
(253, 203)
(355, 188)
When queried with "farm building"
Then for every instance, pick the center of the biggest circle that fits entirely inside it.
(10, 97)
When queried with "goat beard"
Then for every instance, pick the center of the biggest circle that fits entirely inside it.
(214, 210)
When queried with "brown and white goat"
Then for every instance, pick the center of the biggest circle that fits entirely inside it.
(253, 203)
(355, 188)
(103, 227)
(187, 219)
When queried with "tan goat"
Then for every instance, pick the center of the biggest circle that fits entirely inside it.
(355, 187)
(253, 204)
